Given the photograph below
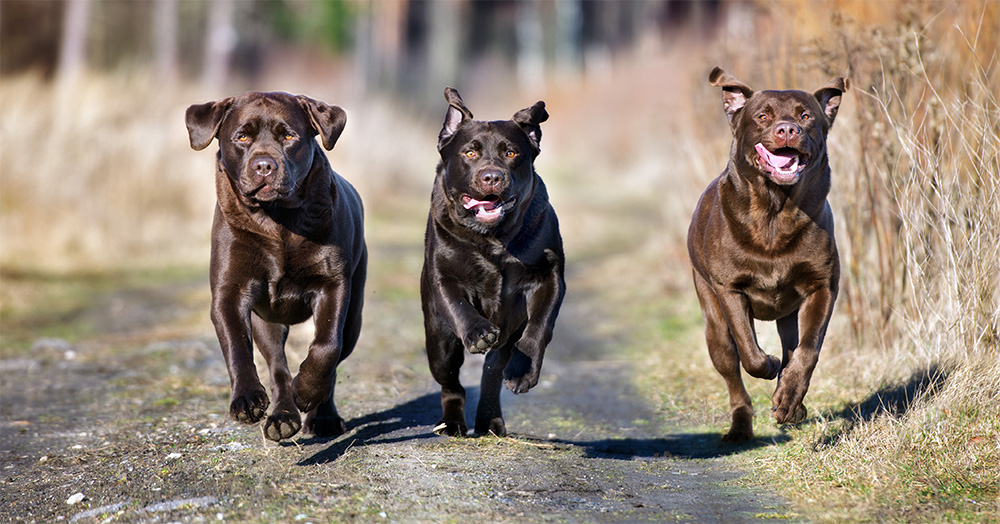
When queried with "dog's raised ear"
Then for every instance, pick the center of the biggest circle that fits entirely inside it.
(455, 118)
(829, 96)
(734, 93)
(203, 121)
(530, 119)
(328, 121)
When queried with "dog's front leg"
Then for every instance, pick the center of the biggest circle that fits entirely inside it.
(543, 302)
(737, 311)
(814, 316)
(231, 316)
(317, 372)
(478, 334)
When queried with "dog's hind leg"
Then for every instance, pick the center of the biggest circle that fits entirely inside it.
(284, 420)
(489, 417)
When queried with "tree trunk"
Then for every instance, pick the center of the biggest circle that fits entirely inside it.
(73, 47)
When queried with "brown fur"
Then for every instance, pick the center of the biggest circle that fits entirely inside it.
(762, 246)
(287, 244)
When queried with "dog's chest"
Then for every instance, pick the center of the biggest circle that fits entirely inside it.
(498, 288)
(291, 280)
(775, 290)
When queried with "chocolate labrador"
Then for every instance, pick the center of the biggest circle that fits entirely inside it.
(287, 243)
(762, 246)
(492, 279)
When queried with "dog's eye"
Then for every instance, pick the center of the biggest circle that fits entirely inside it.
(242, 137)
(471, 154)
(510, 154)
(805, 116)
(762, 117)
(289, 137)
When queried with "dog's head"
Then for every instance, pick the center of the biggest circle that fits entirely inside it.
(781, 134)
(266, 141)
(488, 167)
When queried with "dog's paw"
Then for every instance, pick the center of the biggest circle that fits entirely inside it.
(282, 425)
(520, 375)
(309, 391)
(482, 338)
(787, 399)
(741, 430)
(325, 425)
(494, 426)
(250, 406)
(451, 428)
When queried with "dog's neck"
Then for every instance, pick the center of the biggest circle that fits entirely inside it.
(768, 214)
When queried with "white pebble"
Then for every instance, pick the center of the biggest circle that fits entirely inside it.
(73, 499)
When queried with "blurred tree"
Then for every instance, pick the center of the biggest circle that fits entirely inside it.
(73, 45)
(29, 36)
(219, 45)
(165, 39)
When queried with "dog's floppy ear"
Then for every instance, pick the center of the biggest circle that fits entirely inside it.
(455, 118)
(328, 121)
(529, 119)
(829, 96)
(203, 121)
(734, 93)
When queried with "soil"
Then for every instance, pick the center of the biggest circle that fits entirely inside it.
(128, 423)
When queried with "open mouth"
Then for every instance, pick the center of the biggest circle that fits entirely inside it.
(490, 210)
(783, 165)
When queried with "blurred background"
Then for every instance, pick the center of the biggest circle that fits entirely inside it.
(96, 170)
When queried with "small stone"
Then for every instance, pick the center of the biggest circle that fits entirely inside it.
(73, 499)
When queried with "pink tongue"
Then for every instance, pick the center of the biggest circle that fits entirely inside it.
(775, 160)
(488, 205)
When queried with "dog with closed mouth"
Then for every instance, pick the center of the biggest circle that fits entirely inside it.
(492, 280)
(287, 244)
(761, 244)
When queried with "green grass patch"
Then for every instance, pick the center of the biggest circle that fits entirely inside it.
(68, 306)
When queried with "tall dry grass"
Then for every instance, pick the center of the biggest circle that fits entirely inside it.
(96, 174)
(921, 307)
(99, 175)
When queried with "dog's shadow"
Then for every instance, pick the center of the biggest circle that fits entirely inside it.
(894, 400)
(396, 424)
(413, 419)
(686, 446)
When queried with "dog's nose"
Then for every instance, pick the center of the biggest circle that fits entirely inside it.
(491, 178)
(264, 166)
(786, 132)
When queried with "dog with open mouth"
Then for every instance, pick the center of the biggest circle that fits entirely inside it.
(762, 246)
(492, 280)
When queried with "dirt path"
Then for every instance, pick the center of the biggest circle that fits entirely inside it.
(130, 426)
